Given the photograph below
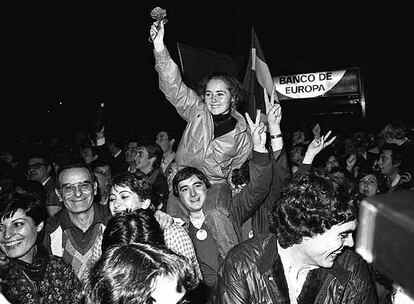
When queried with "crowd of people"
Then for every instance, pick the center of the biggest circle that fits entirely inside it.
(236, 210)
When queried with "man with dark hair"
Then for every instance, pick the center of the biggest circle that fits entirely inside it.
(305, 260)
(165, 140)
(148, 160)
(216, 229)
(392, 164)
(395, 132)
(39, 168)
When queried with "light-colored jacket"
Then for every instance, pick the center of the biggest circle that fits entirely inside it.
(198, 147)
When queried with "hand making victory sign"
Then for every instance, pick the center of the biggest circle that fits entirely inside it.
(258, 131)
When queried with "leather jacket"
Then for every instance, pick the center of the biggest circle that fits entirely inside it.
(253, 273)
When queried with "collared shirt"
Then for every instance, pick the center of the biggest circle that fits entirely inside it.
(83, 239)
(45, 181)
(166, 162)
(80, 249)
(117, 153)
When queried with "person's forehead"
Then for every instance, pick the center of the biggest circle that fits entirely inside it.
(216, 85)
(120, 188)
(81, 174)
(34, 160)
(386, 154)
(102, 168)
(332, 158)
(132, 144)
(19, 213)
(190, 181)
(369, 177)
(162, 133)
(347, 226)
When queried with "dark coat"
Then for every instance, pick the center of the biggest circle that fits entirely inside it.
(59, 284)
(253, 273)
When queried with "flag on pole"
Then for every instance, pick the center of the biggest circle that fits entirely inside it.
(197, 63)
(256, 78)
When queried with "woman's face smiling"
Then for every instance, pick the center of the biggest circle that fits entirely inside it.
(217, 97)
(18, 235)
(123, 198)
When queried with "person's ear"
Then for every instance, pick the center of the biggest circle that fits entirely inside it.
(152, 160)
(40, 226)
(48, 169)
(59, 195)
(146, 203)
(172, 142)
(95, 188)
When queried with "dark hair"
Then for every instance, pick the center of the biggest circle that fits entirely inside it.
(395, 129)
(138, 226)
(41, 155)
(241, 175)
(309, 205)
(381, 180)
(186, 173)
(72, 166)
(100, 162)
(170, 135)
(138, 183)
(7, 178)
(32, 206)
(127, 273)
(233, 85)
(154, 150)
(396, 153)
(31, 188)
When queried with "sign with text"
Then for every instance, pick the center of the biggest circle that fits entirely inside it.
(319, 84)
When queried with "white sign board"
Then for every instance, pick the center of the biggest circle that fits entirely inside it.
(307, 85)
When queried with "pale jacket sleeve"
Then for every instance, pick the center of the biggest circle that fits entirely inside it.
(171, 84)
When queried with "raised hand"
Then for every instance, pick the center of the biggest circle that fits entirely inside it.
(351, 161)
(273, 110)
(158, 14)
(101, 133)
(316, 130)
(157, 33)
(258, 131)
(317, 145)
(165, 220)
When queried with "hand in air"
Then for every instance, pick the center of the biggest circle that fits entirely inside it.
(258, 131)
(273, 109)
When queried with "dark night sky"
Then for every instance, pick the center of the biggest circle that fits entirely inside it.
(83, 54)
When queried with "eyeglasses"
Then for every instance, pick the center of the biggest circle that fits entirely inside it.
(35, 166)
(70, 189)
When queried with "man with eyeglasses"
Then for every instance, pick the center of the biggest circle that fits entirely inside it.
(76, 233)
(39, 169)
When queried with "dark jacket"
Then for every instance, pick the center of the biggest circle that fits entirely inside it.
(56, 282)
(253, 200)
(223, 226)
(253, 273)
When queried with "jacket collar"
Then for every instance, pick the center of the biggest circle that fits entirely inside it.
(241, 125)
(270, 266)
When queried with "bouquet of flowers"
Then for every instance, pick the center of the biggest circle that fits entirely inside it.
(159, 14)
